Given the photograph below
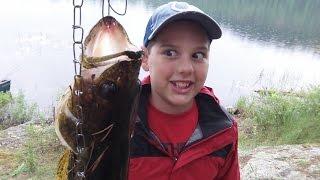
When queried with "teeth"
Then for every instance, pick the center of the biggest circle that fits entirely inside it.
(182, 84)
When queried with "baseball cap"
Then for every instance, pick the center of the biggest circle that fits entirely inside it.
(174, 11)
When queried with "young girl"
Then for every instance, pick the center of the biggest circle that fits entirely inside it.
(182, 132)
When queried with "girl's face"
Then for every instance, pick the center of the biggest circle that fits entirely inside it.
(178, 65)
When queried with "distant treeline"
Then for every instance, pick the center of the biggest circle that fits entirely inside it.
(284, 22)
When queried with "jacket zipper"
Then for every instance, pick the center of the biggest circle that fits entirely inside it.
(155, 141)
(203, 140)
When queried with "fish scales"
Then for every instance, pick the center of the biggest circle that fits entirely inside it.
(110, 93)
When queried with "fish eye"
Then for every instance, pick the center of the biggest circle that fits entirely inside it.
(108, 89)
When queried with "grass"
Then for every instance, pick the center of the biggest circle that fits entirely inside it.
(38, 157)
(7, 163)
(273, 117)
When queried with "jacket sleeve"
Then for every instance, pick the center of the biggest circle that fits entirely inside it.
(230, 170)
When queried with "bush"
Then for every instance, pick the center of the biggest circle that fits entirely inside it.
(281, 117)
(5, 98)
(15, 110)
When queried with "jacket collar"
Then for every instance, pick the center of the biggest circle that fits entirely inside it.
(213, 118)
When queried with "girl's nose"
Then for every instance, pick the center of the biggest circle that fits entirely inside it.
(185, 66)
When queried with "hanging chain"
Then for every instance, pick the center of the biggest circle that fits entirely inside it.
(79, 165)
(77, 31)
(111, 8)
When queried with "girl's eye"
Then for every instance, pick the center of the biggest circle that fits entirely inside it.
(199, 55)
(170, 53)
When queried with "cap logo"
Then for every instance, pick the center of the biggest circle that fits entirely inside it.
(180, 6)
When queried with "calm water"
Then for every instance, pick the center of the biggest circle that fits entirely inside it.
(268, 44)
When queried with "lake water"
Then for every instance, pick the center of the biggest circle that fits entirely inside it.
(267, 44)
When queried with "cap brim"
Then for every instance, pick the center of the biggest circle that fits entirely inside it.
(210, 25)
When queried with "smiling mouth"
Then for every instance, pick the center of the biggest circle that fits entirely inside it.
(181, 84)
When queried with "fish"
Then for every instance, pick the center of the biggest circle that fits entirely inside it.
(94, 119)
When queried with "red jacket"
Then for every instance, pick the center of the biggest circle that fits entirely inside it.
(211, 151)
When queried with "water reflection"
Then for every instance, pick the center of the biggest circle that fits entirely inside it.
(282, 23)
(256, 50)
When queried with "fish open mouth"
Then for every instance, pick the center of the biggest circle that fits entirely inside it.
(109, 23)
(108, 44)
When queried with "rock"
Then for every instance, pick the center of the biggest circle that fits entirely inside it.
(13, 137)
(314, 169)
(281, 162)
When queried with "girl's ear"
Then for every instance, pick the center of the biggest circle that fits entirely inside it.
(145, 59)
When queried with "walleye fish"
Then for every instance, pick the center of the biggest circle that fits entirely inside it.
(107, 92)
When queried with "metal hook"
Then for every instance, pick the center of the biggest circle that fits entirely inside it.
(111, 8)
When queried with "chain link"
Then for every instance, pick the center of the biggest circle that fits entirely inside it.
(80, 166)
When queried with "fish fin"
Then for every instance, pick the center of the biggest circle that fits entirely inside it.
(97, 161)
(107, 130)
